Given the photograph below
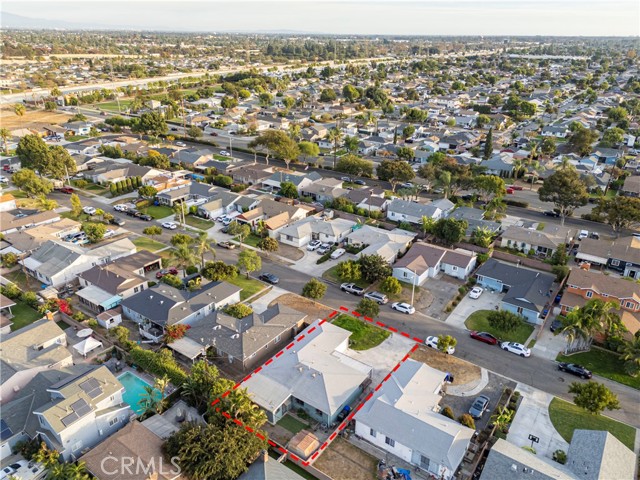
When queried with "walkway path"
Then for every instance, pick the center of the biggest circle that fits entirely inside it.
(472, 388)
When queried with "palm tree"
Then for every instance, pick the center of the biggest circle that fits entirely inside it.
(182, 257)
(148, 402)
(445, 182)
(161, 385)
(533, 167)
(502, 418)
(203, 245)
(584, 322)
(19, 109)
(426, 225)
(5, 134)
(334, 136)
(631, 355)
(482, 236)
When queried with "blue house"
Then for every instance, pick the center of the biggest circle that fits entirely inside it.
(527, 292)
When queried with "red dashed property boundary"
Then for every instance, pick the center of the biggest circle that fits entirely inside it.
(346, 421)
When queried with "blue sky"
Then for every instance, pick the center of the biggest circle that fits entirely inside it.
(390, 17)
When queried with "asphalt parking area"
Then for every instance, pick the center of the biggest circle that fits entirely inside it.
(443, 290)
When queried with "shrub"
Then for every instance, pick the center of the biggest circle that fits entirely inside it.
(160, 364)
(238, 310)
(314, 289)
(172, 280)
(467, 420)
(530, 449)
(447, 412)
(93, 323)
(391, 286)
(30, 298)
(516, 203)
(79, 316)
(238, 187)
(9, 260)
(560, 271)
(175, 332)
(191, 269)
(560, 456)
(482, 257)
(11, 290)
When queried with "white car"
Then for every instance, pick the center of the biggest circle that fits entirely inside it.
(583, 234)
(89, 210)
(224, 153)
(324, 248)
(476, 292)
(9, 470)
(4, 179)
(226, 221)
(404, 308)
(181, 144)
(433, 343)
(221, 218)
(169, 225)
(120, 208)
(314, 245)
(516, 348)
(338, 253)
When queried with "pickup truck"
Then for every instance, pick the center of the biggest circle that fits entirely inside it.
(352, 288)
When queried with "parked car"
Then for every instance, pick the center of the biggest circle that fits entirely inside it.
(169, 225)
(479, 406)
(484, 337)
(269, 278)
(403, 307)
(227, 245)
(181, 144)
(313, 245)
(476, 292)
(406, 185)
(352, 288)
(338, 253)
(381, 298)
(166, 271)
(516, 348)
(224, 153)
(324, 248)
(510, 191)
(555, 325)
(433, 343)
(117, 221)
(594, 235)
(551, 213)
(514, 187)
(10, 470)
(346, 179)
(68, 190)
(583, 234)
(120, 208)
(574, 369)
(359, 182)
(143, 216)
(221, 218)
(89, 210)
(226, 221)
(4, 179)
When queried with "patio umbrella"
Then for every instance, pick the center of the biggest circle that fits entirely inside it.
(86, 332)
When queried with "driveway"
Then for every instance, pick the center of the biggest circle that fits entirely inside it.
(443, 289)
(549, 345)
(307, 264)
(487, 301)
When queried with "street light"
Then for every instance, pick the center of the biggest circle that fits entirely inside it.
(230, 145)
(413, 286)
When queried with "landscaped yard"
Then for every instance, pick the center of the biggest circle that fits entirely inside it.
(23, 315)
(93, 187)
(197, 222)
(343, 461)
(158, 211)
(364, 335)
(478, 321)
(145, 243)
(221, 158)
(75, 138)
(113, 106)
(82, 218)
(604, 363)
(249, 286)
(19, 278)
(566, 417)
(252, 239)
(292, 424)
(331, 275)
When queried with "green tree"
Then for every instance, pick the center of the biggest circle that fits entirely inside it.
(266, 99)
(46, 204)
(199, 385)
(152, 231)
(181, 239)
(216, 271)
(151, 123)
(351, 144)
(450, 230)
(622, 213)
(249, 261)
(374, 268)
(5, 134)
(335, 135)
(238, 310)
(405, 153)
(34, 186)
(594, 397)
(228, 102)
(19, 109)
(95, 231)
(488, 145)
(309, 149)
(148, 401)
(489, 187)
(391, 286)
(427, 224)
(268, 244)
(408, 131)
(548, 146)
(289, 190)
(147, 191)
(504, 320)
(355, 166)
(582, 140)
(368, 308)
(617, 114)
(502, 418)
(630, 354)
(50, 106)
(76, 205)
(581, 324)
(182, 257)
(350, 93)
(240, 230)
(314, 289)
(328, 95)
(395, 172)
(194, 132)
(482, 236)
(482, 121)
(33, 152)
(349, 271)
(612, 137)
(445, 342)
(565, 190)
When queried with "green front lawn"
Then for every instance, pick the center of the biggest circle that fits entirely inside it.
(83, 217)
(221, 158)
(23, 315)
(197, 222)
(19, 278)
(249, 286)
(478, 321)
(604, 363)
(75, 138)
(363, 335)
(158, 211)
(113, 106)
(292, 424)
(566, 417)
(17, 193)
(333, 276)
(251, 240)
(146, 243)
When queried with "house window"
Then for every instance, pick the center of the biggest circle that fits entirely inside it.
(615, 263)
(454, 268)
(372, 432)
(405, 274)
(113, 421)
(520, 310)
(135, 290)
(589, 294)
(112, 398)
(480, 278)
(390, 441)
(424, 462)
(41, 420)
(289, 237)
(628, 305)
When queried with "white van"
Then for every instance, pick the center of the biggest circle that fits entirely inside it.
(338, 253)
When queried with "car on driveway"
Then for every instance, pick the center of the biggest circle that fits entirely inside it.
(346, 179)
(181, 144)
(479, 406)
(166, 271)
(476, 292)
(403, 307)
(227, 245)
(10, 470)
(484, 337)
(324, 248)
(378, 297)
(314, 245)
(120, 208)
(169, 225)
(516, 348)
(269, 278)
(144, 216)
(574, 369)
(224, 153)
(68, 190)
(433, 343)
(583, 234)
(555, 325)
(338, 253)
(352, 288)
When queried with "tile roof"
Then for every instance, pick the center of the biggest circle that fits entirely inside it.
(604, 284)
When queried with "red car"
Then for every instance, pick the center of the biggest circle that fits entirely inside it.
(167, 271)
(514, 187)
(510, 191)
(65, 190)
(484, 337)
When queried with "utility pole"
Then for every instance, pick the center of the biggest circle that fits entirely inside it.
(413, 286)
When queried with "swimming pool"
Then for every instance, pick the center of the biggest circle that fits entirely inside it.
(134, 391)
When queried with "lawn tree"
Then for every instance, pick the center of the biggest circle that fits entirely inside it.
(249, 261)
(240, 230)
(194, 132)
(351, 144)
(308, 149)
(228, 102)
(565, 190)
(395, 172)
(238, 310)
(622, 213)
(294, 132)
(548, 146)
(429, 173)
(152, 231)
(594, 397)
(450, 230)
(266, 99)
(31, 184)
(314, 289)
(391, 286)
(408, 131)
(60, 163)
(217, 271)
(489, 187)
(349, 271)
(204, 245)
(182, 257)
(482, 236)
(368, 308)
(268, 244)
(405, 153)
(355, 166)
(286, 148)
(5, 134)
(582, 139)
(617, 114)
(582, 323)
(267, 140)
(181, 239)
(374, 268)
(445, 342)
(33, 152)
(630, 354)
(482, 121)
(147, 191)
(94, 231)
(488, 145)
(427, 225)
(152, 123)
(289, 190)
(504, 320)
(350, 93)
(76, 205)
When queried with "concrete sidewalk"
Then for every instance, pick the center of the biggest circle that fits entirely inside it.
(549, 345)
(532, 418)
(262, 303)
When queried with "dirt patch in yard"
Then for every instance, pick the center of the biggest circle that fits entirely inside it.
(462, 371)
(343, 461)
(11, 121)
(313, 309)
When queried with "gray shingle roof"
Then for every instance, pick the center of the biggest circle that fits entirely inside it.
(411, 208)
(595, 455)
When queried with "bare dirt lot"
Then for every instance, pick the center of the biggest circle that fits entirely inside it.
(343, 461)
(462, 371)
(10, 120)
(302, 304)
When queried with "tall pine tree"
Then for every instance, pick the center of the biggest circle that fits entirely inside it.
(488, 145)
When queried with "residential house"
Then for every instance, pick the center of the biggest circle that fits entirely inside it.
(77, 128)
(7, 202)
(192, 191)
(424, 261)
(104, 286)
(41, 345)
(110, 172)
(608, 156)
(141, 262)
(252, 174)
(267, 468)
(191, 157)
(389, 244)
(274, 214)
(500, 164)
(584, 285)
(542, 243)
(24, 242)
(10, 223)
(300, 180)
(300, 233)
(5, 316)
(526, 292)
(459, 142)
(89, 147)
(155, 308)
(316, 376)
(220, 201)
(592, 455)
(555, 131)
(403, 418)
(324, 190)
(412, 212)
(58, 263)
(246, 342)
(631, 186)
(621, 255)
